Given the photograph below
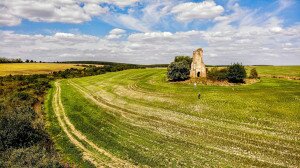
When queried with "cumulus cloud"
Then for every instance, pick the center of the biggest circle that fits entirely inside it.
(238, 35)
(116, 33)
(202, 10)
(94, 9)
(67, 11)
(121, 3)
(249, 45)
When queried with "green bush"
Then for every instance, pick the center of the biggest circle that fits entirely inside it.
(34, 156)
(236, 73)
(178, 71)
(17, 128)
(253, 74)
(216, 74)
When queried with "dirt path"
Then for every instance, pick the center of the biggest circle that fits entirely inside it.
(74, 134)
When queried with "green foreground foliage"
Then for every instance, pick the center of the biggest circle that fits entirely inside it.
(24, 141)
(136, 115)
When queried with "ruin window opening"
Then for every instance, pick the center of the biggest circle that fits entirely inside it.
(198, 74)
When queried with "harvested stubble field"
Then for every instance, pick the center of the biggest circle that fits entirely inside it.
(137, 118)
(33, 68)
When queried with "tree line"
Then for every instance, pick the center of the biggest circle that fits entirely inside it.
(10, 60)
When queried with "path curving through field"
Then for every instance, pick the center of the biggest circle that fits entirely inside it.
(135, 117)
(77, 138)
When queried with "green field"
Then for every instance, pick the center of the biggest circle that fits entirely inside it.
(289, 71)
(137, 118)
(32, 68)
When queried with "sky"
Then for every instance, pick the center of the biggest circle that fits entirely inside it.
(250, 32)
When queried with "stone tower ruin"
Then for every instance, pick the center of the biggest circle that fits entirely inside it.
(198, 67)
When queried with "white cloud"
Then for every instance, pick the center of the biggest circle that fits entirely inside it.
(66, 11)
(116, 33)
(7, 19)
(202, 10)
(94, 9)
(126, 21)
(246, 44)
(239, 35)
(121, 3)
(276, 29)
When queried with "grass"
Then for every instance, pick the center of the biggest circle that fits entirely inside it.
(139, 117)
(71, 154)
(290, 71)
(33, 68)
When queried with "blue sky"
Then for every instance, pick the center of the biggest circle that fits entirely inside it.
(152, 31)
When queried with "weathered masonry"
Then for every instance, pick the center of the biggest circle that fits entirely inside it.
(198, 67)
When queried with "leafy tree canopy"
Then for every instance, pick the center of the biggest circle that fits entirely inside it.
(179, 69)
(236, 73)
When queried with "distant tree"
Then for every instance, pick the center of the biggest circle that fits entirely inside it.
(178, 71)
(27, 61)
(31, 61)
(18, 60)
(253, 74)
(236, 73)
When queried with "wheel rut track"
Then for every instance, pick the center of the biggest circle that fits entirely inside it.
(170, 122)
(113, 107)
(73, 134)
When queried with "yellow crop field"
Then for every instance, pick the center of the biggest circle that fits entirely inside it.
(33, 68)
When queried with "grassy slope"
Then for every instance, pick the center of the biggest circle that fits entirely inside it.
(32, 68)
(155, 123)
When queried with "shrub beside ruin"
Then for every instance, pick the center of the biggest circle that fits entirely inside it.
(253, 74)
(179, 70)
(234, 73)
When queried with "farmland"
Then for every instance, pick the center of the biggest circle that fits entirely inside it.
(136, 118)
(33, 68)
(289, 71)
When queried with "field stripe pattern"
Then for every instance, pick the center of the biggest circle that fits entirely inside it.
(76, 136)
(150, 122)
